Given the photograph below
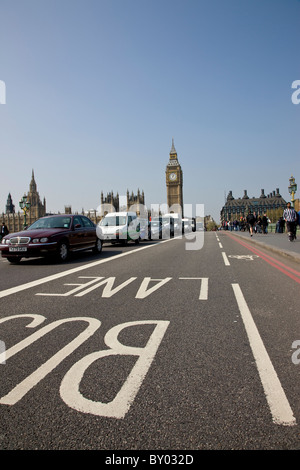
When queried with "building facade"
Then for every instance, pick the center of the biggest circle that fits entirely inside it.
(272, 204)
(37, 207)
(15, 220)
(112, 203)
(174, 182)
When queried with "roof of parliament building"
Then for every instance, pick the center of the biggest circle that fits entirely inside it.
(260, 204)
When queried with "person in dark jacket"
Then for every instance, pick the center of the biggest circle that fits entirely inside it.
(4, 230)
(264, 223)
(251, 220)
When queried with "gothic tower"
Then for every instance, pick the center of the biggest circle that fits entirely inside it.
(10, 208)
(174, 182)
(37, 208)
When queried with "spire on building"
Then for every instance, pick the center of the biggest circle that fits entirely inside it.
(32, 187)
(10, 208)
(37, 208)
(173, 150)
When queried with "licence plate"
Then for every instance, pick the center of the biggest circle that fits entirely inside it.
(18, 248)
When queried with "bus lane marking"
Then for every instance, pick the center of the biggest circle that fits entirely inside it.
(76, 289)
(109, 289)
(144, 291)
(70, 384)
(27, 384)
(119, 406)
(203, 295)
(38, 282)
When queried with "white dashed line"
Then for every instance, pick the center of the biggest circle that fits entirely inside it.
(225, 259)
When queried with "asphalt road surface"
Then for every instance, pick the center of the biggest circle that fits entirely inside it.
(152, 346)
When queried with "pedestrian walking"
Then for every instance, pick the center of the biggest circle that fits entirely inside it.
(4, 230)
(251, 220)
(290, 216)
(258, 225)
(281, 225)
(264, 223)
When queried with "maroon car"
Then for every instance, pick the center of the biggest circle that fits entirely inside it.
(55, 235)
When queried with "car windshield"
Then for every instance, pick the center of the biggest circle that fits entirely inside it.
(113, 221)
(51, 222)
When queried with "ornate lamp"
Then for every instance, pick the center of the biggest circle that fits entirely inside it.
(25, 206)
(292, 189)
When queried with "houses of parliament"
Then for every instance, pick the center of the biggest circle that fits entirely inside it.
(14, 220)
(14, 217)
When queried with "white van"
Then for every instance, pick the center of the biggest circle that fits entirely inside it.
(143, 228)
(186, 225)
(173, 222)
(119, 227)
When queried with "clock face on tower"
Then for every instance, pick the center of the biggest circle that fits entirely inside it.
(173, 176)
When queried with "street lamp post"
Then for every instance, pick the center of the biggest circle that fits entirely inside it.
(292, 189)
(25, 206)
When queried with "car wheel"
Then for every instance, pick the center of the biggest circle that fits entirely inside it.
(14, 259)
(98, 247)
(63, 251)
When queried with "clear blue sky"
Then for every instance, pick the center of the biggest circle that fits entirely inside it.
(97, 89)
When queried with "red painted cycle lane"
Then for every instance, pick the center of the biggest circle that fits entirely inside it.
(290, 272)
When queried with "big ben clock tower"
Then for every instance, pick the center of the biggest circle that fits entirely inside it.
(174, 182)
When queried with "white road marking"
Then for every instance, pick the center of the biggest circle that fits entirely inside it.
(226, 261)
(244, 257)
(118, 407)
(38, 282)
(70, 385)
(143, 292)
(203, 288)
(277, 400)
(31, 381)
(108, 290)
(76, 289)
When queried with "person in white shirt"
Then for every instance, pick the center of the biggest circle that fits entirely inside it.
(290, 217)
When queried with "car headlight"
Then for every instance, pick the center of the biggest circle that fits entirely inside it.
(40, 240)
(5, 241)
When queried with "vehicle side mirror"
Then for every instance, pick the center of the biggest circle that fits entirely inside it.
(77, 225)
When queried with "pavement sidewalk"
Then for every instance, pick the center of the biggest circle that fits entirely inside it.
(276, 242)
